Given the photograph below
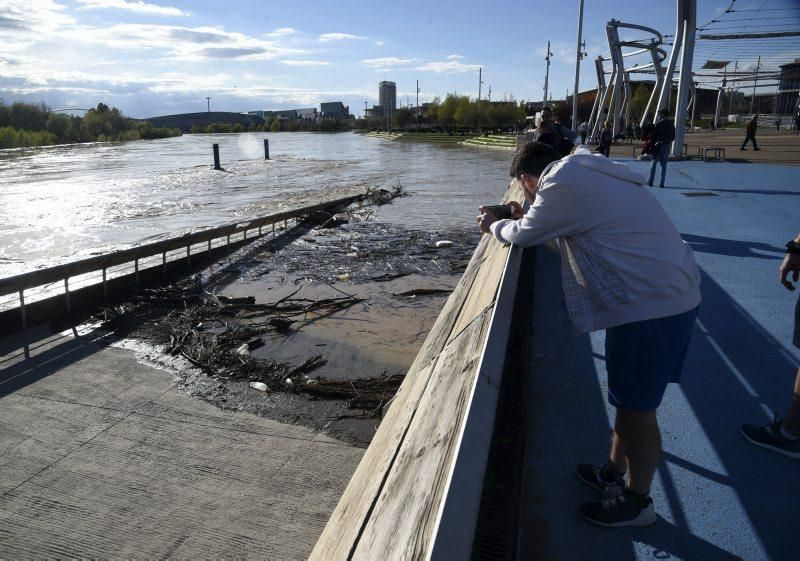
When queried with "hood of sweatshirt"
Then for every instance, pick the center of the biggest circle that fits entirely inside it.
(600, 164)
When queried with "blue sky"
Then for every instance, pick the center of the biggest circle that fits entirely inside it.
(154, 57)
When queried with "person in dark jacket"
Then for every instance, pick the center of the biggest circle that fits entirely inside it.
(606, 138)
(662, 138)
(750, 133)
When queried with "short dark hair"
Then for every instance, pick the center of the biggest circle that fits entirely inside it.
(532, 158)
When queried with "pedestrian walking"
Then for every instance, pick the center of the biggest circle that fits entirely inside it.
(583, 128)
(625, 269)
(750, 134)
(662, 138)
(778, 124)
(783, 435)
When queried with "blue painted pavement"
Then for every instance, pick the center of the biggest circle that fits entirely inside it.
(717, 496)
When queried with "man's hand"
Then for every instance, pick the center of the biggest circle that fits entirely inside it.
(518, 212)
(485, 219)
(791, 264)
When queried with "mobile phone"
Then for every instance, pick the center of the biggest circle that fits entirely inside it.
(500, 211)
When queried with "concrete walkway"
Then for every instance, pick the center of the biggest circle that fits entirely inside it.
(101, 457)
(717, 496)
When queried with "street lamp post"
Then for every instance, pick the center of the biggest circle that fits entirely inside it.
(578, 58)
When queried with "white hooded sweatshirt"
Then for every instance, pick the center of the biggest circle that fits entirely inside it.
(622, 260)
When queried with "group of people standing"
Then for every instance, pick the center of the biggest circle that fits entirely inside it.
(658, 137)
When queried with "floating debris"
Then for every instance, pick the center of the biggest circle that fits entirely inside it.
(260, 386)
(444, 243)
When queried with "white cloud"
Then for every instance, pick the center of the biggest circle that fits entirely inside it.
(454, 57)
(282, 32)
(304, 62)
(183, 43)
(448, 67)
(23, 21)
(387, 63)
(326, 37)
(379, 43)
(138, 6)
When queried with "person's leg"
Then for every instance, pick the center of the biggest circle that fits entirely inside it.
(641, 440)
(791, 423)
(755, 144)
(653, 164)
(664, 158)
(746, 138)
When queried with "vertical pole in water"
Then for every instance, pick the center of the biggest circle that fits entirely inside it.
(164, 263)
(266, 148)
(105, 284)
(209, 248)
(188, 255)
(66, 294)
(136, 269)
(22, 313)
(216, 157)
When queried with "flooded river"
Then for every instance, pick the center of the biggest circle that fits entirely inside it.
(67, 202)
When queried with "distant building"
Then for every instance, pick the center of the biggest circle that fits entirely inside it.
(387, 96)
(786, 102)
(285, 114)
(307, 114)
(335, 110)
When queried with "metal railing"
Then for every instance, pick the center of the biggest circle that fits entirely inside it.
(26, 288)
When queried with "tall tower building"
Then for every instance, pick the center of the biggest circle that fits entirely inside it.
(387, 96)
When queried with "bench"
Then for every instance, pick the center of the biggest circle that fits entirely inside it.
(711, 153)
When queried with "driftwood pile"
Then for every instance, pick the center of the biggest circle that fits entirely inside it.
(217, 333)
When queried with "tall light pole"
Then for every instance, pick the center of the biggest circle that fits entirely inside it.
(547, 72)
(755, 83)
(480, 81)
(208, 100)
(578, 57)
(730, 101)
(417, 106)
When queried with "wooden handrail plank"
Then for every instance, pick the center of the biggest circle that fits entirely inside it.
(354, 507)
(427, 413)
(414, 489)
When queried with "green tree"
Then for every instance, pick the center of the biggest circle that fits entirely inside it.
(60, 125)
(275, 126)
(401, 117)
(639, 100)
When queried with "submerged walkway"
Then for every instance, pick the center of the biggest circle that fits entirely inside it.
(717, 496)
(103, 457)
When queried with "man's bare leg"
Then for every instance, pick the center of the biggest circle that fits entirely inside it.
(791, 423)
(637, 440)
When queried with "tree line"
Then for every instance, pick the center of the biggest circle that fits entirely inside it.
(35, 124)
(456, 112)
(274, 124)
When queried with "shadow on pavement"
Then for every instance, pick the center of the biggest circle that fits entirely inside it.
(733, 248)
(32, 355)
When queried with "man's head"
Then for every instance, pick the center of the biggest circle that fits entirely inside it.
(663, 113)
(547, 113)
(529, 163)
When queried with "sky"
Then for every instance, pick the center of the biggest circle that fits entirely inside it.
(160, 57)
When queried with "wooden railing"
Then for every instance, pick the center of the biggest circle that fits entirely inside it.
(134, 256)
(416, 492)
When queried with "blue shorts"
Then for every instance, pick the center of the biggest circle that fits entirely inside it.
(643, 357)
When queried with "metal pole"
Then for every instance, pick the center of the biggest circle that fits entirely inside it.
(266, 148)
(66, 294)
(666, 88)
(685, 79)
(694, 106)
(730, 101)
(417, 105)
(105, 285)
(578, 57)
(23, 315)
(215, 147)
(753, 99)
(480, 82)
(547, 73)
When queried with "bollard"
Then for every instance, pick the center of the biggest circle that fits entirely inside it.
(266, 149)
(216, 157)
